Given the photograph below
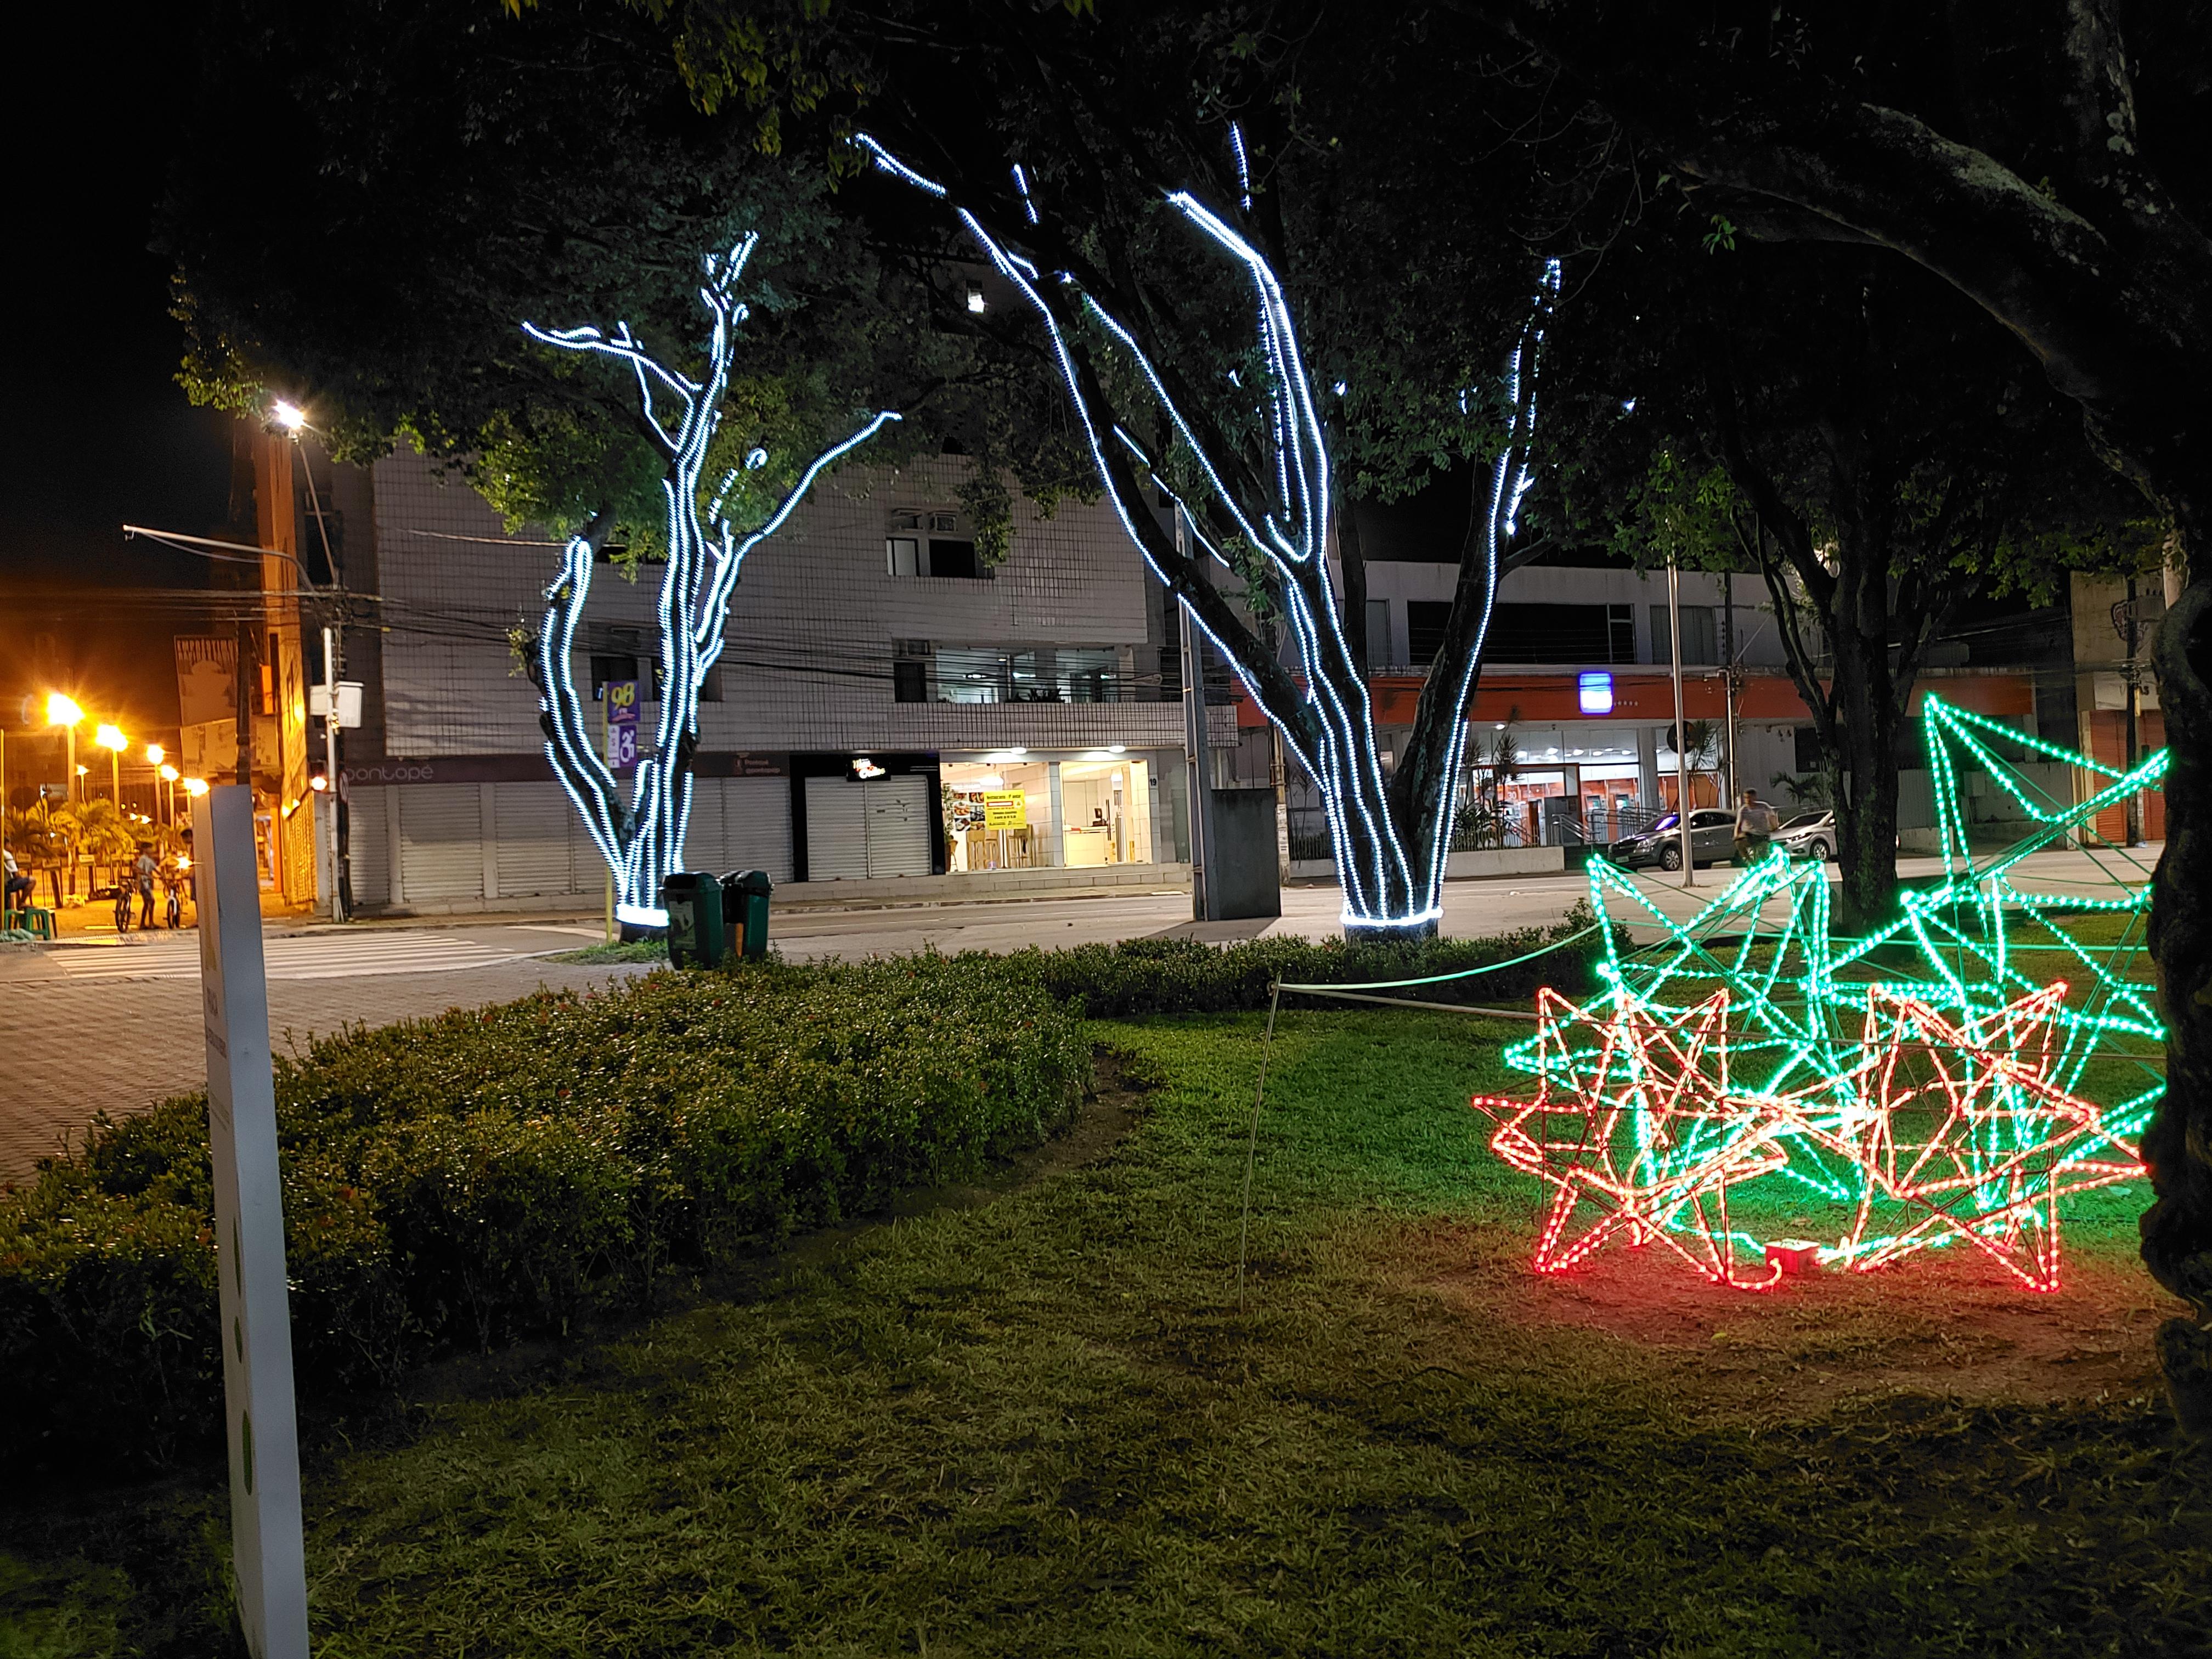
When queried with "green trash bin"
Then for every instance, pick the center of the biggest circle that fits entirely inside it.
(693, 900)
(744, 902)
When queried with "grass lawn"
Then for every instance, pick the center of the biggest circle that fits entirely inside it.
(1045, 1424)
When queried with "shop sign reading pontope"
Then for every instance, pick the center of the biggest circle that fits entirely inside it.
(263, 1429)
(1005, 809)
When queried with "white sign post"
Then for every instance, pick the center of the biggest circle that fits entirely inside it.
(266, 1541)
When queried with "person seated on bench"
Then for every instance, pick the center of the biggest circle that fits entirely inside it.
(18, 886)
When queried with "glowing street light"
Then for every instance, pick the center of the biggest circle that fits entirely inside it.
(110, 739)
(155, 754)
(289, 416)
(195, 787)
(63, 712)
(168, 774)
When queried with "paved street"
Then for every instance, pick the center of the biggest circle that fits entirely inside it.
(114, 1025)
(117, 1026)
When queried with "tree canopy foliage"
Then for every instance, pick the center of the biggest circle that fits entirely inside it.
(424, 178)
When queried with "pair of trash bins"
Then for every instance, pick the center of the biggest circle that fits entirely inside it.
(711, 916)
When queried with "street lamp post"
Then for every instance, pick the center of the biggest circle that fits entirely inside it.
(169, 775)
(110, 739)
(63, 712)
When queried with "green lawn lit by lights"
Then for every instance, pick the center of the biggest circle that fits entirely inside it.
(1047, 1427)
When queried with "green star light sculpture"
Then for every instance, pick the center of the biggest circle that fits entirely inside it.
(1818, 1058)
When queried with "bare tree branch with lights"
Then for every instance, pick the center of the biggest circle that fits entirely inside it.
(1265, 513)
(642, 838)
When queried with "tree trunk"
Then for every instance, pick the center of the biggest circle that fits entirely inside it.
(2176, 1229)
(1866, 704)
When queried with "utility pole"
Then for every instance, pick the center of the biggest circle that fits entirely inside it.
(333, 777)
(1681, 735)
(1197, 764)
(245, 703)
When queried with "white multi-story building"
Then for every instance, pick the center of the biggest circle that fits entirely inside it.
(887, 708)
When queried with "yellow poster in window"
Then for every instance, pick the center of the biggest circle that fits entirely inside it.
(1006, 809)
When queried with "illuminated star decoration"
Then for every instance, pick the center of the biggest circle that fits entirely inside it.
(1947, 1106)
(1975, 1144)
(1648, 1138)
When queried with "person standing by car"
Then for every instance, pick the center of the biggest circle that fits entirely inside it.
(1754, 828)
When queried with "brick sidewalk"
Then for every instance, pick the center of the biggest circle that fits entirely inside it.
(72, 1048)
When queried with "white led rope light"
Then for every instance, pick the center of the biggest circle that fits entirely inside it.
(643, 841)
(1342, 755)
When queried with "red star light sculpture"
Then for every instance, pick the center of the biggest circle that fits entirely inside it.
(1648, 1141)
(1960, 1127)
(1955, 1131)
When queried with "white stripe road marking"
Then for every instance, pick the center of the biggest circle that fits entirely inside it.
(293, 958)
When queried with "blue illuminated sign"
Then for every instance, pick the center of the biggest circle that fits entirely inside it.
(1593, 691)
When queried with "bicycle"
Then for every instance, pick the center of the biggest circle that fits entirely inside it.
(175, 911)
(123, 896)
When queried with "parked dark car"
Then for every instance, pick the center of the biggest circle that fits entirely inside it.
(1712, 839)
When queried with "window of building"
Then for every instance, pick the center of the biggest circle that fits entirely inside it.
(611, 668)
(1378, 633)
(1426, 622)
(951, 556)
(1620, 633)
(1700, 636)
(909, 682)
(1562, 633)
(932, 544)
(1061, 674)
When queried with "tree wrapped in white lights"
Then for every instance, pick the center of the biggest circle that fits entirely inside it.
(642, 838)
(1391, 834)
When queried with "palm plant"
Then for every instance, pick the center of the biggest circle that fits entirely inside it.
(106, 835)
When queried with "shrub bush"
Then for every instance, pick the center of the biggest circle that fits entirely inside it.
(1183, 975)
(505, 1171)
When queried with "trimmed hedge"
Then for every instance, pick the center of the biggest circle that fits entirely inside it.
(504, 1172)
(1183, 975)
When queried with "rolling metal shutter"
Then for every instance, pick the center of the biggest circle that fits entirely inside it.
(532, 825)
(368, 846)
(837, 831)
(702, 836)
(756, 825)
(441, 841)
(587, 868)
(898, 825)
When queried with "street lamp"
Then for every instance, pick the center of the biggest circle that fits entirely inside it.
(169, 775)
(195, 787)
(110, 739)
(289, 416)
(63, 712)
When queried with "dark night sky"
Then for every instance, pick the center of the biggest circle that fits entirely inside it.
(97, 433)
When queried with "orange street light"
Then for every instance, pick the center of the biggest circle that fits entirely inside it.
(195, 787)
(110, 739)
(63, 712)
(155, 754)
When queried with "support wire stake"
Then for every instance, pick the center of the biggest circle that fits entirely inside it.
(1252, 1145)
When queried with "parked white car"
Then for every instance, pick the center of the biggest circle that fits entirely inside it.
(1809, 835)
